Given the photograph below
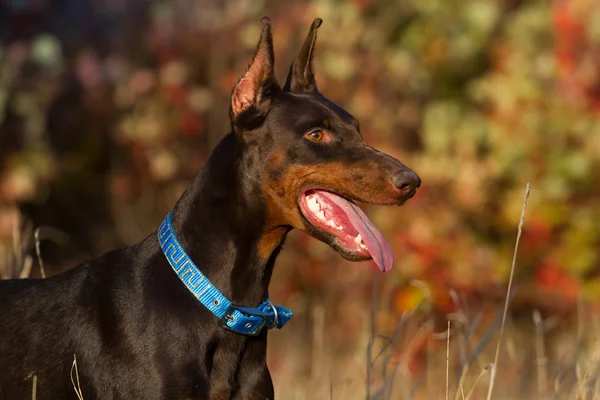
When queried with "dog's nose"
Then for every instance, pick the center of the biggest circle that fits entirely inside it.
(406, 182)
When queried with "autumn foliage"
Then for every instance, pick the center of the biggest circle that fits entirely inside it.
(103, 124)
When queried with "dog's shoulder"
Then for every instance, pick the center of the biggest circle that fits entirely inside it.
(89, 273)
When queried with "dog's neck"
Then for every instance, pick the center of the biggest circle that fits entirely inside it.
(220, 220)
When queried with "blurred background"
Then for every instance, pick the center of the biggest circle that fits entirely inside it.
(108, 108)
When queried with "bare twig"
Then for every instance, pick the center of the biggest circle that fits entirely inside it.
(586, 376)
(447, 359)
(394, 338)
(330, 388)
(38, 252)
(493, 370)
(540, 353)
(34, 388)
(75, 381)
(318, 336)
(509, 289)
(490, 368)
(372, 336)
(17, 246)
(407, 356)
(26, 269)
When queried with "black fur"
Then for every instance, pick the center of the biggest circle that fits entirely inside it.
(136, 331)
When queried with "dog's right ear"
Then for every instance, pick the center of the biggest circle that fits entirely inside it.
(251, 97)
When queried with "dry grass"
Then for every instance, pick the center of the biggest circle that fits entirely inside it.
(480, 354)
(75, 378)
(540, 359)
(16, 260)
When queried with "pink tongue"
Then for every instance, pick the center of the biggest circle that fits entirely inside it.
(378, 247)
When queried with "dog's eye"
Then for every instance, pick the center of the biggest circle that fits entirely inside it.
(315, 136)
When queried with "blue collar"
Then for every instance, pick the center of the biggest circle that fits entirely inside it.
(239, 319)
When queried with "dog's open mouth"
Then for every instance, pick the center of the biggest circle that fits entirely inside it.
(350, 229)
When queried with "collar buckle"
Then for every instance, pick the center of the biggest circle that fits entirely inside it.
(275, 313)
(244, 320)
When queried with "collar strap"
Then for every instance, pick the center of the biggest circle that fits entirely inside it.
(239, 319)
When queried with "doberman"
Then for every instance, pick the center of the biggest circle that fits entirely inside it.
(293, 159)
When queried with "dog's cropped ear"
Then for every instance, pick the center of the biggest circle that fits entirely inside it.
(252, 95)
(301, 78)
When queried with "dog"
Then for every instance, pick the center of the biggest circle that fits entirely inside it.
(184, 314)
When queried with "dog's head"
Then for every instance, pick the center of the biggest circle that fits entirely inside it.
(310, 159)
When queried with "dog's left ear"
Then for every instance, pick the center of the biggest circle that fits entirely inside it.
(252, 95)
(301, 78)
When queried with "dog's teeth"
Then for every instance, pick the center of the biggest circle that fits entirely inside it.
(321, 214)
(339, 228)
(363, 246)
(331, 223)
(358, 239)
(313, 205)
